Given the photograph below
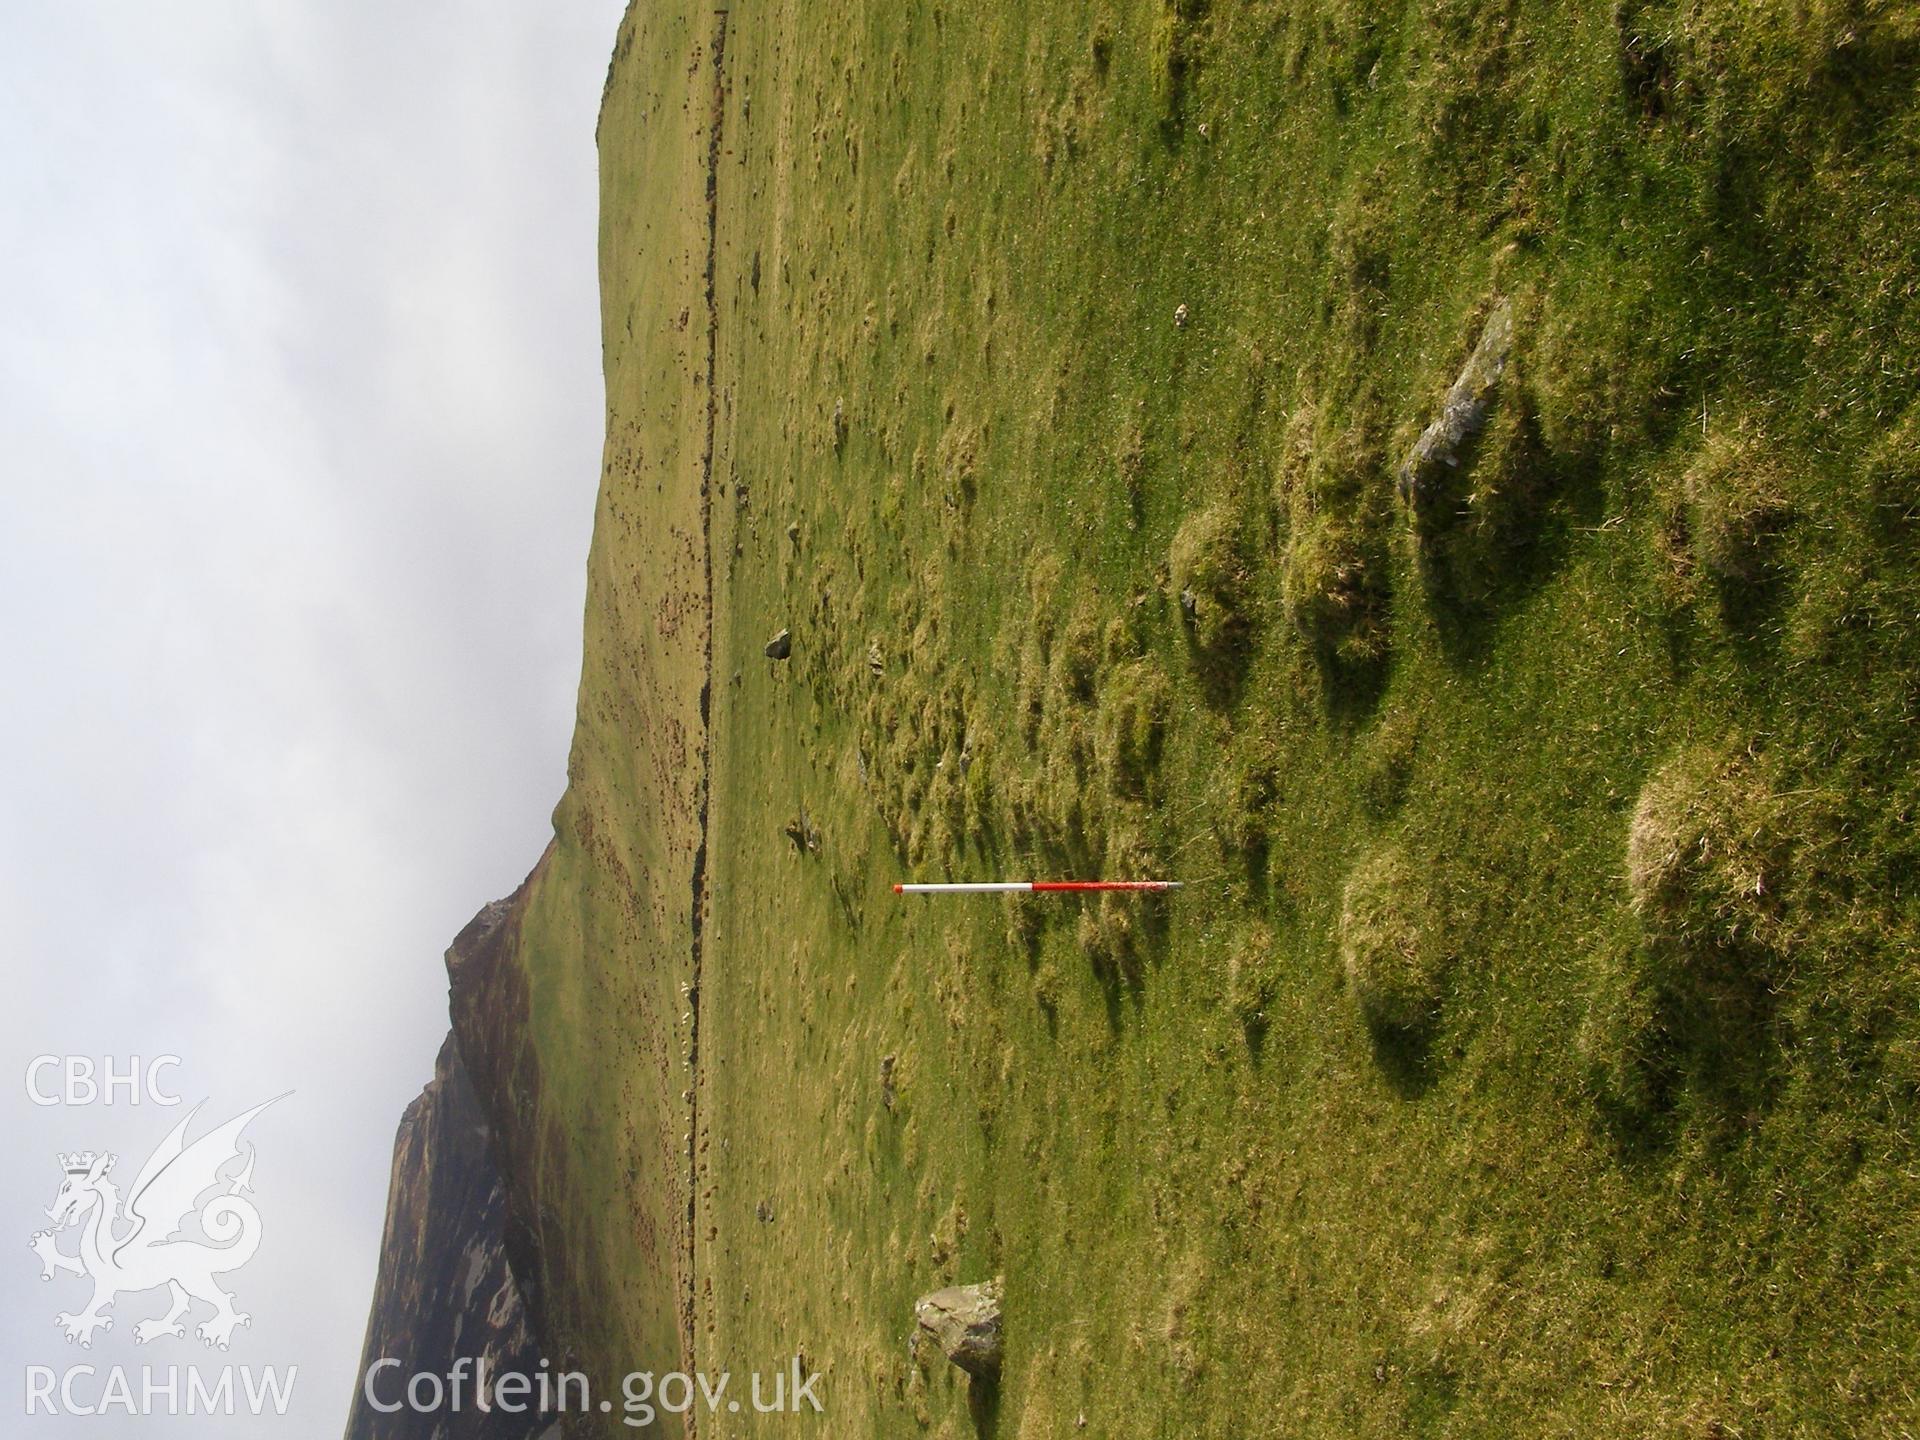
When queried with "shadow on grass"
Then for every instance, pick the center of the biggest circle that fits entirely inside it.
(1122, 973)
(1350, 690)
(1753, 610)
(1710, 1057)
(1471, 581)
(1728, 1049)
(1681, 634)
(1122, 984)
(1256, 855)
(983, 1406)
(1221, 669)
(1405, 1058)
(1254, 1032)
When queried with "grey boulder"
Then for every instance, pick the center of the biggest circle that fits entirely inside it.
(964, 1321)
(1463, 414)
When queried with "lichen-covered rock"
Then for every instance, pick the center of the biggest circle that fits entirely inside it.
(1463, 414)
(964, 1321)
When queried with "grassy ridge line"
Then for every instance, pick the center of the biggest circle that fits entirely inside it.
(1466, 1106)
(606, 932)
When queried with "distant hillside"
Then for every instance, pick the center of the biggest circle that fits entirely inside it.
(1443, 481)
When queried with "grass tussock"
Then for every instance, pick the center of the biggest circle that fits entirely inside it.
(1026, 918)
(1890, 479)
(1253, 979)
(1625, 1059)
(1389, 944)
(1076, 659)
(1735, 498)
(1588, 379)
(1707, 852)
(1245, 819)
(1333, 566)
(1385, 761)
(1128, 636)
(1173, 53)
(1118, 932)
(1136, 705)
(1210, 565)
(1725, 878)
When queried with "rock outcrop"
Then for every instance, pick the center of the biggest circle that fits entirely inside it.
(1463, 414)
(445, 1289)
(964, 1321)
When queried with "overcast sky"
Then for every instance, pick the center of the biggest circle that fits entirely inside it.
(300, 424)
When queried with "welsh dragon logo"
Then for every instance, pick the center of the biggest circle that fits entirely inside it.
(140, 1248)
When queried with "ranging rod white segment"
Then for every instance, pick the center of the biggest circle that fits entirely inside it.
(991, 887)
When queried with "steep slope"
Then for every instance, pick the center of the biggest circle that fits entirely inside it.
(445, 1289)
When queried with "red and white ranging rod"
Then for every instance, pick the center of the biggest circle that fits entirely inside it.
(1021, 887)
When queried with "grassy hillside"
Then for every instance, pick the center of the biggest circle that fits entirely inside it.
(604, 945)
(1535, 1048)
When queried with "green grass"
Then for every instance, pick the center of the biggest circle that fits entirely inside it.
(1456, 1095)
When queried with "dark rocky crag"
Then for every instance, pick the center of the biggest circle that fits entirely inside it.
(446, 1289)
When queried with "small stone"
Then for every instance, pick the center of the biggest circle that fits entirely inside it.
(793, 532)
(964, 1320)
(1181, 315)
(804, 834)
(780, 646)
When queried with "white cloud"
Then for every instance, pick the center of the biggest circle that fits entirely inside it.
(299, 433)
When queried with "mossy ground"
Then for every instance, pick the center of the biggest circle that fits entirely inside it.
(1591, 1195)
